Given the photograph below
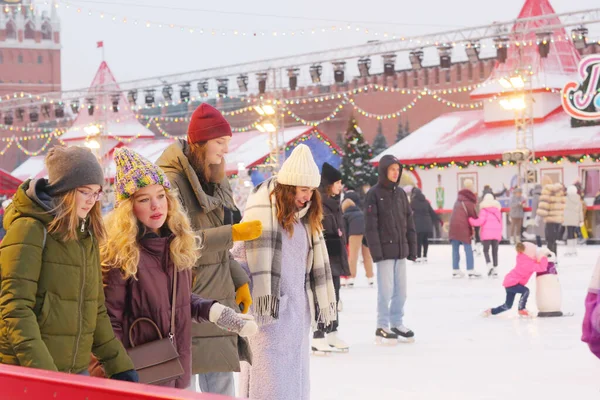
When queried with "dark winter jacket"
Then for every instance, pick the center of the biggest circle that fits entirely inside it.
(217, 275)
(597, 200)
(333, 231)
(355, 197)
(423, 213)
(354, 221)
(52, 308)
(464, 208)
(488, 189)
(150, 296)
(390, 229)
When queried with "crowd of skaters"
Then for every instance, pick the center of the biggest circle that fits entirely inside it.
(79, 292)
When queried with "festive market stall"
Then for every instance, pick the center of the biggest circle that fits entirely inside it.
(470, 145)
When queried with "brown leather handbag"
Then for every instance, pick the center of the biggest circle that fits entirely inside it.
(157, 362)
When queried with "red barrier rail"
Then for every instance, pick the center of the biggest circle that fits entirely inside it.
(18, 383)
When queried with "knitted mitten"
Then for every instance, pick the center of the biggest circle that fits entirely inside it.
(245, 231)
(227, 319)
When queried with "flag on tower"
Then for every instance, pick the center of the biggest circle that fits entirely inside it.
(99, 44)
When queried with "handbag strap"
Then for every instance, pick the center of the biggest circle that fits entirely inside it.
(143, 319)
(173, 301)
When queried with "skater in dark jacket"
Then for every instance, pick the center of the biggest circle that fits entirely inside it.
(392, 239)
(461, 232)
(425, 218)
(354, 224)
(335, 240)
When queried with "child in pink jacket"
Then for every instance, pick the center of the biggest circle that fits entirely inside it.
(591, 320)
(490, 221)
(517, 278)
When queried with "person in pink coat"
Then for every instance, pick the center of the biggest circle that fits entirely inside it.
(515, 281)
(591, 319)
(490, 221)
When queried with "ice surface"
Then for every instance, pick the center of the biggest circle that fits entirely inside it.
(457, 353)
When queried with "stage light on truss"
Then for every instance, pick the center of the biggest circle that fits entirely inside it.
(149, 97)
(513, 103)
(90, 105)
(184, 92)
(8, 118)
(389, 64)
(416, 59)
(262, 82)
(20, 114)
(222, 88)
(167, 92)
(266, 127)
(132, 97)
(472, 51)
(115, 101)
(34, 115)
(75, 106)
(505, 83)
(339, 68)
(46, 110)
(517, 82)
(579, 36)
(293, 77)
(202, 87)
(543, 39)
(59, 110)
(92, 144)
(501, 45)
(265, 109)
(91, 130)
(363, 66)
(242, 82)
(445, 53)
(315, 73)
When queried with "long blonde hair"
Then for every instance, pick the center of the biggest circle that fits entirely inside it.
(122, 250)
(66, 222)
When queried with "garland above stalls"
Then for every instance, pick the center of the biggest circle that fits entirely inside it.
(577, 159)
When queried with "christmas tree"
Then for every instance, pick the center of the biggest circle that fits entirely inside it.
(406, 129)
(339, 139)
(379, 144)
(400, 135)
(356, 169)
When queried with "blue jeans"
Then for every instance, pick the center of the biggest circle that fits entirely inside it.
(214, 382)
(456, 257)
(391, 293)
(511, 292)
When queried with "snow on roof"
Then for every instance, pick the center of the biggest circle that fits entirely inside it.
(550, 72)
(32, 168)
(464, 136)
(121, 124)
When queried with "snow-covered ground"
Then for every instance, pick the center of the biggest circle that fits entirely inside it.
(457, 353)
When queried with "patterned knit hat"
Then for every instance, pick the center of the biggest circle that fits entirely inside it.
(135, 172)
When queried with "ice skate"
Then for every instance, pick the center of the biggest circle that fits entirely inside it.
(424, 260)
(404, 333)
(457, 274)
(336, 343)
(492, 271)
(350, 283)
(384, 337)
(371, 282)
(478, 249)
(343, 281)
(525, 314)
(487, 313)
(340, 306)
(474, 274)
(320, 347)
(419, 260)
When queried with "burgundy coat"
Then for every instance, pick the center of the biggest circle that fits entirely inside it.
(150, 296)
(464, 208)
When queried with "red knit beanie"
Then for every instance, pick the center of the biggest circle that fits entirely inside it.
(207, 123)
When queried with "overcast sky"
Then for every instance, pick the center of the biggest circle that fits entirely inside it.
(134, 51)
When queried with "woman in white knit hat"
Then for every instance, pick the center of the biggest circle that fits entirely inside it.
(291, 280)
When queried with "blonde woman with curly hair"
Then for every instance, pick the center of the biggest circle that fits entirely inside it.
(149, 241)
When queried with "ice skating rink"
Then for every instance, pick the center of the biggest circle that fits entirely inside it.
(457, 353)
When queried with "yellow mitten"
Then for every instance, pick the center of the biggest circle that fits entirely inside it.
(242, 296)
(246, 231)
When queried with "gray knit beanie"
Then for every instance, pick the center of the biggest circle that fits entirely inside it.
(71, 167)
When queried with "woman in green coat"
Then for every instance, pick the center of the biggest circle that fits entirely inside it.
(51, 298)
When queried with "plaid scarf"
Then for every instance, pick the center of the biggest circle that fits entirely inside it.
(264, 262)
